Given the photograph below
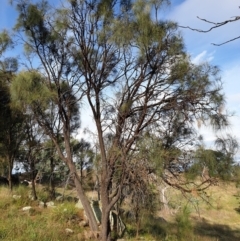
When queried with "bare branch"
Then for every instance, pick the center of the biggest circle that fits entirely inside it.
(226, 41)
(216, 25)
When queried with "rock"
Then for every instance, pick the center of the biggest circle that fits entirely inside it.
(16, 197)
(26, 208)
(69, 231)
(80, 236)
(79, 204)
(50, 204)
(42, 204)
(25, 183)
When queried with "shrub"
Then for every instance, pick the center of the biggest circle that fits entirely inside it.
(184, 226)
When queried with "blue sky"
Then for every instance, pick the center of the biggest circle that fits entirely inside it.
(198, 45)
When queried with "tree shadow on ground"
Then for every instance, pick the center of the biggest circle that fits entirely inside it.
(216, 231)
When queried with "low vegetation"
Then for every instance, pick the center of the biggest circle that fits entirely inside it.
(215, 218)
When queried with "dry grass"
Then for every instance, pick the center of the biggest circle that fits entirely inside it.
(217, 220)
(215, 215)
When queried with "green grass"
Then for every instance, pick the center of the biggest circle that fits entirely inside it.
(199, 221)
(38, 224)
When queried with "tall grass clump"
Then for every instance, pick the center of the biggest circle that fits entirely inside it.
(64, 212)
(184, 225)
(5, 199)
(23, 194)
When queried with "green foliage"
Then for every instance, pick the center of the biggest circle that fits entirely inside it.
(217, 163)
(184, 225)
(43, 195)
(5, 41)
(156, 227)
(28, 89)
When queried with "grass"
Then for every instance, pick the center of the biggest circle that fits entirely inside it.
(195, 220)
(215, 220)
(38, 224)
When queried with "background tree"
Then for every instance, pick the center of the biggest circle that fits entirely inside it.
(11, 121)
(211, 164)
(84, 155)
(30, 150)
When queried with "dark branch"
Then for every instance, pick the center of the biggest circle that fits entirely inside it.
(226, 41)
(216, 25)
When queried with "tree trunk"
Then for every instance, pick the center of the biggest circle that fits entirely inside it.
(32, 166)
(10, 176)
(106, 231)
(84, 200)
(52, 186)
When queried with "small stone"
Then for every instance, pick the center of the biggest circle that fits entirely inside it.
(16, 197)
(50, 204)
(26, 208)
(42, 204)
(79, 204)
(68, 230)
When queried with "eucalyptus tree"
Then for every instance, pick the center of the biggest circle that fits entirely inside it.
(131, 68)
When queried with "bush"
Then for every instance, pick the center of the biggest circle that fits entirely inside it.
(184, 226)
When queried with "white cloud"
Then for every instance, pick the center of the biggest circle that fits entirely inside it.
(202, 57)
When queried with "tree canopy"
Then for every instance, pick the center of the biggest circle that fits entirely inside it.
(130, 68)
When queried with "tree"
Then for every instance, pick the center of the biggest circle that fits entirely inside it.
(137, 80)
(11, 121)
(57, 87)
(131, 69)
(29, 91)
(30, 150)
(211, 164)
(83, 155)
